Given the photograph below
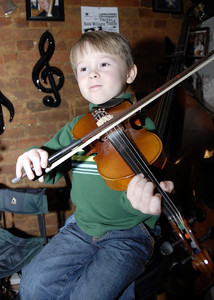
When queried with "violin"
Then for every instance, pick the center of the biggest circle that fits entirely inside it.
(114, 166)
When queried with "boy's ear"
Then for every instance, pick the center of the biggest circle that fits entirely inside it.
(132, 74)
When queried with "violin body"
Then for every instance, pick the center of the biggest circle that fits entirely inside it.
(115, 170)
(111, 166)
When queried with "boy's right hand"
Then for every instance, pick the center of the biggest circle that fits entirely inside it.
(36, 159)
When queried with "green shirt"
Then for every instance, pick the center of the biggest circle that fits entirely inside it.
(98, 208)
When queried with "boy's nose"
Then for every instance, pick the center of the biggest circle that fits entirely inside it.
(93, 74)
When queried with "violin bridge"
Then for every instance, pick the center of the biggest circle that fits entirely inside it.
(101, 116)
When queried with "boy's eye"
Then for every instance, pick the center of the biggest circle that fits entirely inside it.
(104, 64)
(83, 69)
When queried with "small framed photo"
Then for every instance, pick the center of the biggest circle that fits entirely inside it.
(45, 10)
(168, 6)
(197, 44)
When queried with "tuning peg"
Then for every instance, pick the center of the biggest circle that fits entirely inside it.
(199, 215)
(167, 248)
(209, 235)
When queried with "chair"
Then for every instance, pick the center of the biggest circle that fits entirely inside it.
(15, 250)
(149, 284)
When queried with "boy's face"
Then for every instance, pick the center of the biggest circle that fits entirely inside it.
(102, 76)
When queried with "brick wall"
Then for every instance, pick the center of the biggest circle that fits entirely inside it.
(34, 123)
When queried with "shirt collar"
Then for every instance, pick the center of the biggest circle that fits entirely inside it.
(112, 102)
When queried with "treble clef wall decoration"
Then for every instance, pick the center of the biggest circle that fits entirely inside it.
(42, 70)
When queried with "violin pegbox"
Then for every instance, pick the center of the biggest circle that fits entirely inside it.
(100, 115)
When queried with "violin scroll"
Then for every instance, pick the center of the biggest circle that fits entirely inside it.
(201, 259)
(203, 263)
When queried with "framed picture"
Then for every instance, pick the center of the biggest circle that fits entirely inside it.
(168, 6)
(45, 10)
(197, 44)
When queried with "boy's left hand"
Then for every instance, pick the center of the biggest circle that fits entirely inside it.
(140, 193)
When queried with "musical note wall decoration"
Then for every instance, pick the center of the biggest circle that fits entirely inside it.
(46, 78)
(9, 105)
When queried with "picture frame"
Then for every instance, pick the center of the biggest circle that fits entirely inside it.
(168, 6)
(48, 10)
(197, 44)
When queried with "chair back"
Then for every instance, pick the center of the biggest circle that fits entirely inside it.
(15, 252)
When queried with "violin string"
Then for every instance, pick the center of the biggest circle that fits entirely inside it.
(170, 209)
(141, 163)
(137, 160)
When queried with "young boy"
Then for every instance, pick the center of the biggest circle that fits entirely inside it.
(109, 240)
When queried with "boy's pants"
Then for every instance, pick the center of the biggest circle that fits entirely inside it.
(76, 266)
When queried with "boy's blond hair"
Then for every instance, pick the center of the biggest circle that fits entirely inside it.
(103, 41)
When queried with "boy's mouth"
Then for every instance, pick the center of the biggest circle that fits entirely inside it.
(95, 86)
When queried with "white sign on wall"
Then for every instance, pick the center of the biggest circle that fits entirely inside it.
(99, 18)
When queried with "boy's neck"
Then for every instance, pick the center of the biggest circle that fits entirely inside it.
(112, 102)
